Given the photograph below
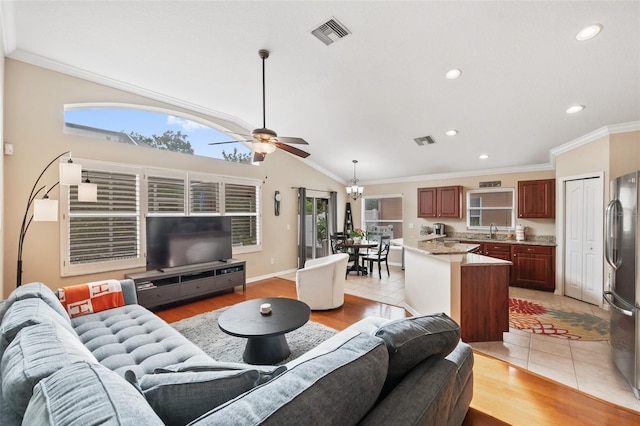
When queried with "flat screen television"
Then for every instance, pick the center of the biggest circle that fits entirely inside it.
(180, 241)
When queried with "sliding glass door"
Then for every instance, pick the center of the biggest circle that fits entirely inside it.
(317, 226)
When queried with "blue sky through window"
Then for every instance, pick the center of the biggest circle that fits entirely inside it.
(148, 123)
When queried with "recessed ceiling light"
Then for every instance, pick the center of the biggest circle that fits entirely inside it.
(589, 32)
(574, 108)
(483, 156)
(451, 132)
(454, 73)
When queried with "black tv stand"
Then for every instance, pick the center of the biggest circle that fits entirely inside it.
(169, 285)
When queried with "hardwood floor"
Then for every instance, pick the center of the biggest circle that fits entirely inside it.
(503, 394)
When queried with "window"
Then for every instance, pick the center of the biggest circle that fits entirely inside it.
(110, 234)
(105, 233)
(155, 128)
(485, 207)
(383, 216)
(241, 202)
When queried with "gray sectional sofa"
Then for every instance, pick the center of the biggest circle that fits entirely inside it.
(126, 366)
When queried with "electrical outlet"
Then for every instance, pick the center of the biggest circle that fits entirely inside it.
(411, 226)
(8, 148)
(273, 261)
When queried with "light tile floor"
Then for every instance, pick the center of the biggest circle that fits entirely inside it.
(584, 365)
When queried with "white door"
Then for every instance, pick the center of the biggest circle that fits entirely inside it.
(584, 240)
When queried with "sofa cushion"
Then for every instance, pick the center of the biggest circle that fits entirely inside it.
(178, 398)
(27, 312)
(133, 338)
(314, 392)
(83, 394)
(411, 340)
(37, 352)
(38, 291)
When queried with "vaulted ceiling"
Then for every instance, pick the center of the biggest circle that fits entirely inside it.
(366, 96)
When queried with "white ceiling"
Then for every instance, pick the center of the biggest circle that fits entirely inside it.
(367, 96)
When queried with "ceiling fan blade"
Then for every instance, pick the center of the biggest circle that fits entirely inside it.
(258, 157)
(292, 150)
(292, 140)
(222, 143)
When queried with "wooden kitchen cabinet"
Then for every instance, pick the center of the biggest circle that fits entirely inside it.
(533, 267)
(427, 202)
(484, 302)
(537, 198)
(440, 202)
(497, 250)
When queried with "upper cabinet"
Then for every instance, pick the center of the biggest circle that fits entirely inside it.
(537, 198)
(444, 201)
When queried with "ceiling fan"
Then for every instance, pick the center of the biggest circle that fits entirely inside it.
(264, 141)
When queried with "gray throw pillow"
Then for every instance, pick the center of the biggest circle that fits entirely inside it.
(26, 312)
(412, 340)
(87, 394)
(179, 398)
(37, 352)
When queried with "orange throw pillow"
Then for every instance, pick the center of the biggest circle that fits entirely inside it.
(83, 299)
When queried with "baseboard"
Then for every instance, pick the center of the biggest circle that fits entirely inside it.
(272, 275)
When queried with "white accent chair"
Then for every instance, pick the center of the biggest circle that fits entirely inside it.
(320, 284)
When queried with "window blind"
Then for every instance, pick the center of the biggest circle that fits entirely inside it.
(241, 202)
(108, 229)
(204, 197)
(165, 195)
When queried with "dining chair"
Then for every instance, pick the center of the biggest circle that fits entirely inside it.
(337, 247)
(380, 256)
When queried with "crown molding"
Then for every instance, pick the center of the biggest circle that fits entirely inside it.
(40, 61)
(483, 172)
(631, 126)
(7, 27)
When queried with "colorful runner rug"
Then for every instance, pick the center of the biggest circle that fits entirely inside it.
(556, 321)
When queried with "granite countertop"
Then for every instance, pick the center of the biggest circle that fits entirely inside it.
(505, 241)
(473, 259)
(439, 247)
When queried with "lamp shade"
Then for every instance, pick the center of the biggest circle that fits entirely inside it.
(264, 147)
(70, 174)
(45, 210)
(88, 192)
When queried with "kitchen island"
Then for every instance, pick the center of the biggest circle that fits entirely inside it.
(470, 288)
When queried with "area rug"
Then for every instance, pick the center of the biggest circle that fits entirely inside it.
(203, 330)
(556, 321)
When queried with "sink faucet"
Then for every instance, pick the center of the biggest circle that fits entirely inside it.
(492, 228)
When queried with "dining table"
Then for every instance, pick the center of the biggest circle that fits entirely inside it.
(355, 247)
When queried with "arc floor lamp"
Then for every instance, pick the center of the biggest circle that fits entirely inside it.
(46, 209)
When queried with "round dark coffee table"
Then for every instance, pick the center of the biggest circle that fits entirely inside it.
(266, 343)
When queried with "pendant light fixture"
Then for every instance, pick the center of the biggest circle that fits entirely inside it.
(354, 191)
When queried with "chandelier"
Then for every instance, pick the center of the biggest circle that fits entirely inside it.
(354, 191)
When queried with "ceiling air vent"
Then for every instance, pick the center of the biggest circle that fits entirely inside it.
(425, 140)
(330, 31)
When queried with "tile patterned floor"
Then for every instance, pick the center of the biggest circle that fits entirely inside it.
(584, 365)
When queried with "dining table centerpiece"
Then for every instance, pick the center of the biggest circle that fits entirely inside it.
(357, 235)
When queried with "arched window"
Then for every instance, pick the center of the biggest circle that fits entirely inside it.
(155, 128)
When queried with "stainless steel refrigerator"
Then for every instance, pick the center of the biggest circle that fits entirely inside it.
(623, 295)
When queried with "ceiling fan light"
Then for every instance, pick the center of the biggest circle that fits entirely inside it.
(264, 147)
